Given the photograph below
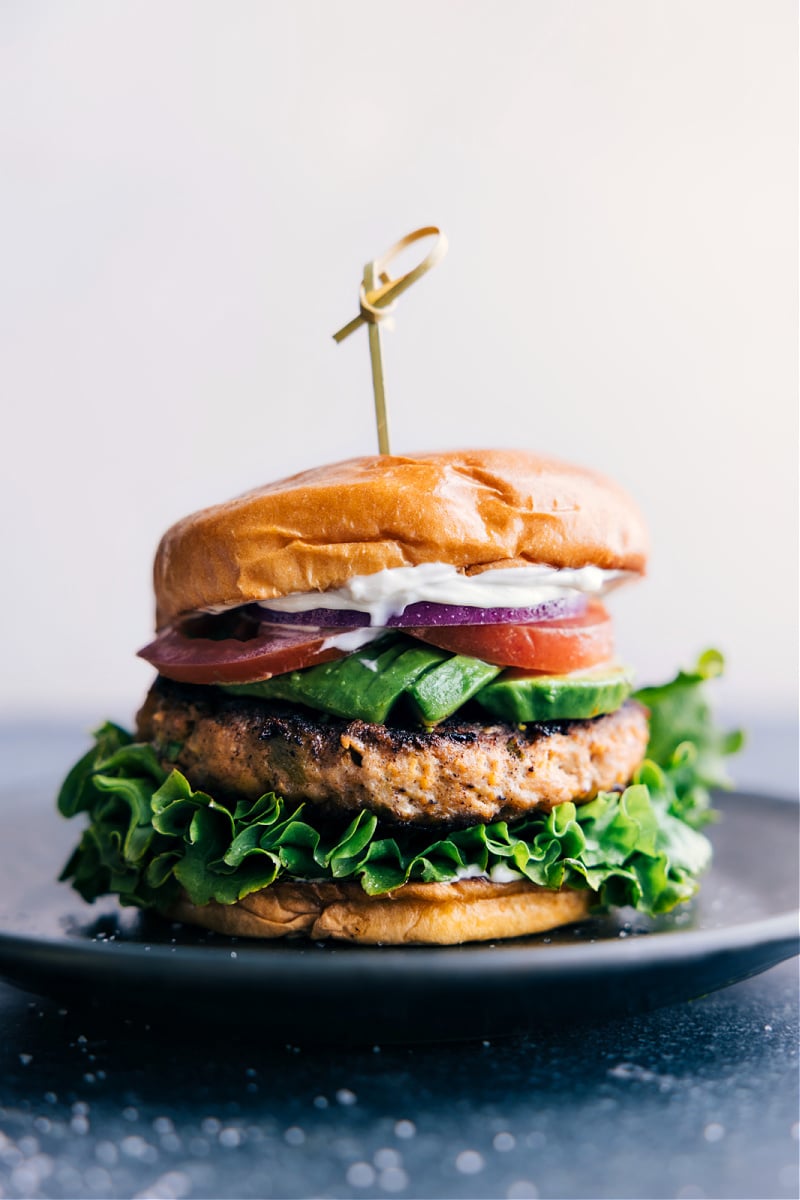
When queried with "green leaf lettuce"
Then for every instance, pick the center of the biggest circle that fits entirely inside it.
(151, 836)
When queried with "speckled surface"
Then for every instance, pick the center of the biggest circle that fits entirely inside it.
(696, 1100)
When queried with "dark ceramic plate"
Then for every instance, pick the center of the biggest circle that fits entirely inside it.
(52, 943)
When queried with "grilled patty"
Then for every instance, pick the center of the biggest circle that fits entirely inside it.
(461, 773)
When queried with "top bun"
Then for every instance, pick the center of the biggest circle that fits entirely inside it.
(474, 509)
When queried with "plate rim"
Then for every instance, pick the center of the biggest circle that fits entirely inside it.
(764, 931)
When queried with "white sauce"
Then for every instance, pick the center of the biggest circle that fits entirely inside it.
(386, 593)
(500, 873)
(350, 640)
(471, 871)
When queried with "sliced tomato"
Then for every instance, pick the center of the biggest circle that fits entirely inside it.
(272, 650)
(558, 646)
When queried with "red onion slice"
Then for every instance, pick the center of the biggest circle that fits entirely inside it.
(427, 614)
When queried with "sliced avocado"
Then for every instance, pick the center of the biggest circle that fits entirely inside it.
(521, 696)
(445, 687)
(364, 686)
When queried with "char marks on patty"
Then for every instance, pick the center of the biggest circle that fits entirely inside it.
(460, 773)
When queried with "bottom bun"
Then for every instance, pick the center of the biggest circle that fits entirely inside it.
(442, 914)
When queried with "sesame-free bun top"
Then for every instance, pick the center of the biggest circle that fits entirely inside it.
(474, 509)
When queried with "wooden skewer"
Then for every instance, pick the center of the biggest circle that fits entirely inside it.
(377, 297)
(374, 331)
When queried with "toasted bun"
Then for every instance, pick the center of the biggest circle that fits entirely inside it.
(441, 914)
(473, 509)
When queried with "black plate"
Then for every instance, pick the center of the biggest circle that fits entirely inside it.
(743, 922)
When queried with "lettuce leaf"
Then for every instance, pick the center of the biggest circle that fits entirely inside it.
(685, 741)
(151, 835)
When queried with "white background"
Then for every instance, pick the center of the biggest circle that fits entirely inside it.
(189, 190)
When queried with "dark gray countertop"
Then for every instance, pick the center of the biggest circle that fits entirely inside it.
(696, 1100)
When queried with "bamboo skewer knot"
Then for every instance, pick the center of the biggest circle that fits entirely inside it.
(377, 298)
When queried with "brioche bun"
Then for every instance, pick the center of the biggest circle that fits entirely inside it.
(417, 914)
(473, 509)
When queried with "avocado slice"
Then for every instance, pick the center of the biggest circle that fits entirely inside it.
(367, 684)
(363, 686)
(522, 696)
(444, 688)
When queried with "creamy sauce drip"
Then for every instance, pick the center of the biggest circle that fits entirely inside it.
(387, 593)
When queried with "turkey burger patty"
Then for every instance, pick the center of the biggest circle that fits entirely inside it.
(460, 773)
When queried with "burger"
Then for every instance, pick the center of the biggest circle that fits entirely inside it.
(387, 709)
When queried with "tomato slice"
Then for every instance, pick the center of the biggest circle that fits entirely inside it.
(558, 646)
(272, 650)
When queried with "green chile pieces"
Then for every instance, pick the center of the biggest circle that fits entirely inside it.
(519, 697)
